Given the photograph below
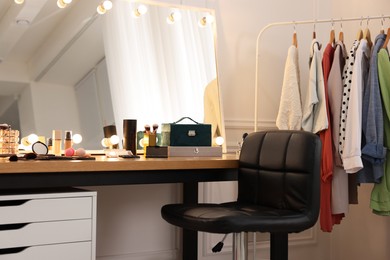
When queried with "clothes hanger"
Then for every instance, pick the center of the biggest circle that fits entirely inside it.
(294, 38)
(384, 46)
(382, 31)
(367, 34)
(332, 38)
(360, 32)
(314, 31)
(341, 33)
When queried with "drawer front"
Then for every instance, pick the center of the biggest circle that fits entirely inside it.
(70, 251)
(51, 209)
(45, 233)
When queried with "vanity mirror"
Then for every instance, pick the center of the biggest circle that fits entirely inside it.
(75, 69)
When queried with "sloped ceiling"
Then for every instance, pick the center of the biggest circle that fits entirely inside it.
(41, 42)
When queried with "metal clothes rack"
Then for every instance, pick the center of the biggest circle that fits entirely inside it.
(265, 28)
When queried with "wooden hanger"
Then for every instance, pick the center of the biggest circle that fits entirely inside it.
(341, 36)
(332, 38)
(387, 39)
(295, 40)
(382, 31)
(360, 32)
(367, 36)
(314, 31)
(341, 33)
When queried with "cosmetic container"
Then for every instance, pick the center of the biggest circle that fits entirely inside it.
(68, 140)
(57, 142)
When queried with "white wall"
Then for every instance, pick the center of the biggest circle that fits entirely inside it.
(129, 223)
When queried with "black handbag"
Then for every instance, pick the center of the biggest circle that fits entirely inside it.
(190, 134)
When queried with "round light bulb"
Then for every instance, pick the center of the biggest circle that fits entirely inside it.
(219, 140)
(100, 9)
(77, 138)
(105, 142)
(61, 4)
(19, 2)
(202, 22)
(107, 4)
(170, 19)
(67, 1)
(176, 15)
(114, 139)
(32, 138)
(142, 9)
(209, 18)
(24, 142)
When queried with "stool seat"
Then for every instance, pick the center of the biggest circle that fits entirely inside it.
(234, 217)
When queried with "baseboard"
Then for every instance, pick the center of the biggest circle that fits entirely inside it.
(153, 255)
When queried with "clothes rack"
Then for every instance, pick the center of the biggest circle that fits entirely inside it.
(294, 23)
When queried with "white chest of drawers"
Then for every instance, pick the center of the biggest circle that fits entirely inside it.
(48, 225)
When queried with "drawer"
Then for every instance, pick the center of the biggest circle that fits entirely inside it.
(45, 209)
(70, 251)
(45, 233)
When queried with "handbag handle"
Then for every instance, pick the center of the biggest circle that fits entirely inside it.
(186, 117)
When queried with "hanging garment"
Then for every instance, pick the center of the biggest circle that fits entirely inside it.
(335, 92)
(347, 72)
(373, 150)
(380, 196)
(314, 117)
(290, 107)
(340, 197)
(353, 127)
(326, 218)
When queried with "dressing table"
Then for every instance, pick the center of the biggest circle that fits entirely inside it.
(36, 174)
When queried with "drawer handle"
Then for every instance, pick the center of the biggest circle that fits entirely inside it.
(11, 203)
(16, 250)
(12, 226)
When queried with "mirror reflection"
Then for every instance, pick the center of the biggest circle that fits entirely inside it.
(73, 69)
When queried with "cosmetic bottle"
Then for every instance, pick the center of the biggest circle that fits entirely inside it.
(49, 143)
(57, 142)
(68, 140)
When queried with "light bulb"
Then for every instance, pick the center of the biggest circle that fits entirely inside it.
(114, 139)
(142, 9)
(219, 140)
(107, 4)
(100, 9)
(32, 138)
(202, 22)
(174, 17)
(105, 142)
(19, 2)
(61, 4)
(209, 18)
(67, 1)
(170, 19)
(77, 138)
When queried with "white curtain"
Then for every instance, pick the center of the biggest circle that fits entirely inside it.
(157, 71)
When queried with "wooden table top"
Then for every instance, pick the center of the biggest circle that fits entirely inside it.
(104, 164)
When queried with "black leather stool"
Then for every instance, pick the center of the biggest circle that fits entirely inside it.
(278, 192)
